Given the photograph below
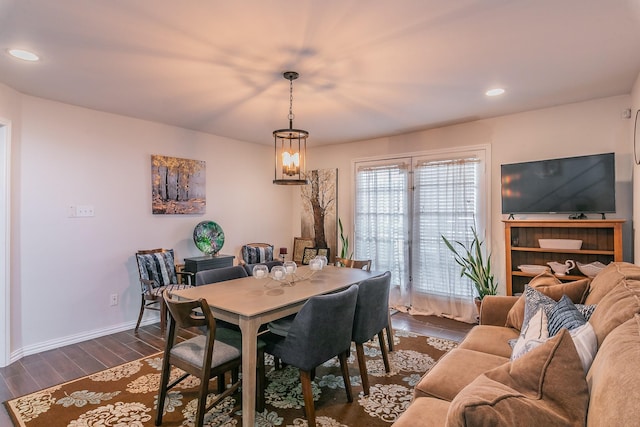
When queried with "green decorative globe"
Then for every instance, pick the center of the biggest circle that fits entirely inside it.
(208, 237)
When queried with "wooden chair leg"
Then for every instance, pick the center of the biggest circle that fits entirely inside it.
(163, 316)
(164, 381)
(362, 365)
(307, 393)
(390, 334)
(385, 354)
(202, 399)
(344, 367)
(222, 383)
(140, 315)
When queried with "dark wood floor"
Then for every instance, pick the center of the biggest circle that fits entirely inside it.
(38, 371)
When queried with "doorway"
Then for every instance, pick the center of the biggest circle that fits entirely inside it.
(5, 227)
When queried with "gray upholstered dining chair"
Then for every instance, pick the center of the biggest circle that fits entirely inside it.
(371, 318)
(320, 331)
(365, 264)
(220, 275)
(205, 356)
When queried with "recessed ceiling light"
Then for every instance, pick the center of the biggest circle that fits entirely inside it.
(494, 92)
(25, 55)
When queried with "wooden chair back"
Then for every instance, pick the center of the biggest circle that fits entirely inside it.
(364, 264)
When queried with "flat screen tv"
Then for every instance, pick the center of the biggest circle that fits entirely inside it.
(573, 185)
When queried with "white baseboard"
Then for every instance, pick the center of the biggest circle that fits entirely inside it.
(73, 339)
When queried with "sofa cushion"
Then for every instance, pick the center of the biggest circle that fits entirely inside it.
(616, 307)
(613, 378)
(545, 387)
(424, 412)
(610, 277)
(550, 286)
(490, 339)
(454, 371)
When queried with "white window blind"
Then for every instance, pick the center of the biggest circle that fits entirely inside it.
(381, 209)
(445, 203)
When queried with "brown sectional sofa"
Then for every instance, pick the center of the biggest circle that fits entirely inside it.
(477, 384)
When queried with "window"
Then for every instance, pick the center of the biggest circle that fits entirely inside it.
(403, 207)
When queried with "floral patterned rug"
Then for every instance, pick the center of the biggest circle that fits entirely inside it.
(127, 394)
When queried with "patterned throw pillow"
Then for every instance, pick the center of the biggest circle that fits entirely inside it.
(586, 310)
(564, 315)
(257, 254)
(533, 334)
(159, 267)
(534, 300)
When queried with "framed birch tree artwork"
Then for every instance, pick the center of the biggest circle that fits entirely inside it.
(177, 185)
(319, 199)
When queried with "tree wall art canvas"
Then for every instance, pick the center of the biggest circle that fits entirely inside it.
(319, 199)
(177, 185)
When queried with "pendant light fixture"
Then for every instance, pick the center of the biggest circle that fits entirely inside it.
(290, 147)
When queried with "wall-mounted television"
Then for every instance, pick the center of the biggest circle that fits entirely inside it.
(573, 185)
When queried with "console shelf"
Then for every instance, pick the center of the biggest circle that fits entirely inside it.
(601, 241)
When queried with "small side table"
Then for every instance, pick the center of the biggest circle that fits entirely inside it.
(207, 262)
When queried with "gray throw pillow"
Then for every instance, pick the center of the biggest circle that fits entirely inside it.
(564, 315)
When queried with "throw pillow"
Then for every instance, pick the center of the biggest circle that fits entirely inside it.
(564, 314)
(159, 267)
(586, 310)
(586, 342)
(545, 387)
(257, 254)
(533, 334)
(551, 286)
(534, 300)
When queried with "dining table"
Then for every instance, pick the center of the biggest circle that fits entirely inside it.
(250, 302)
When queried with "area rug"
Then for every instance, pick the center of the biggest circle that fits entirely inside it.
(127, 394)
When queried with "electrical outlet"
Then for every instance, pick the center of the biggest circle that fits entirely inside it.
(113, 299)
(84, 210)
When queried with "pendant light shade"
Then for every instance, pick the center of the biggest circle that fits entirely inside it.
(290, 147)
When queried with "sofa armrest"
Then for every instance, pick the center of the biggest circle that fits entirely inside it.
(494, 309)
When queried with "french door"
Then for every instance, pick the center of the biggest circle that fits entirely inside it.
(403, 207)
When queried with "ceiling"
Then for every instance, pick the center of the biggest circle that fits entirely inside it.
(368, 68)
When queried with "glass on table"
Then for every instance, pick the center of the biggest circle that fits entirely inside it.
(260, 271)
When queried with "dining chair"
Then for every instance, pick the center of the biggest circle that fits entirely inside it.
(222, 274)
(320, 331)
(217, 351)
(353, 263)
(365, 264)
(371, 318)
(157, 271)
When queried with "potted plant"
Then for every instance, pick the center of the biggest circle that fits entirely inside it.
(474, 265)
(345, 242)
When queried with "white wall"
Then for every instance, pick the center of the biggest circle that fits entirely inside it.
(576, 129)
(64, 269)
(635, 106)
